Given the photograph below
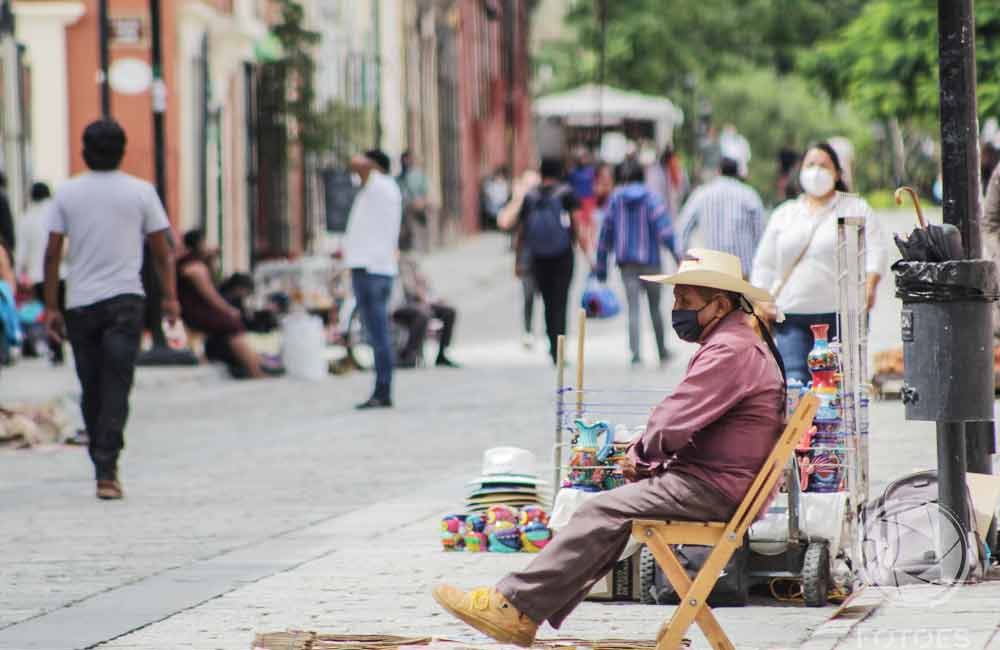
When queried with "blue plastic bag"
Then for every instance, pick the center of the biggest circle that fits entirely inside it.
(598, 300)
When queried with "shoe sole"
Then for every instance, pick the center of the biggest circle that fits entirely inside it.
(484, 626)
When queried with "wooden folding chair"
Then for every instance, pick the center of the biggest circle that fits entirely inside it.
(724, 537)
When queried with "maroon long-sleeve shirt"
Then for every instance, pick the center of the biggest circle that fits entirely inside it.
(722, 421)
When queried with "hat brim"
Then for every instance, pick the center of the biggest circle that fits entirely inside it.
(507, 479)
(713, 280)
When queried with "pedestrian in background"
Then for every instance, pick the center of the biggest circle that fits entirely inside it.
(106, 215)
(797, 257)
(636, 224)
(370, 251)
(604, 185)
(32, 237)
(413, 188)
(724, 215)
(544, 216)
(667, 180)
(507, 219)
(581, 179)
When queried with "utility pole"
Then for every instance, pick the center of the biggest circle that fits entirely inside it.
(960, 173)
(602, 22)
(509, 36)
(159, 91)
(103, 38)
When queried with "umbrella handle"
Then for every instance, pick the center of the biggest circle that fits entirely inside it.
(916, 203)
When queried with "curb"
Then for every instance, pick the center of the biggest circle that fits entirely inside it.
(856, 609)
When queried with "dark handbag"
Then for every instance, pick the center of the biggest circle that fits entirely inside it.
(732, 587)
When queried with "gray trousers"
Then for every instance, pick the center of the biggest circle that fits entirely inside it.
(633, 289)
(588, 547)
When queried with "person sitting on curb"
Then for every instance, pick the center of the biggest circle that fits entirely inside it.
(701, 450)
(415, 315)
(205, 310)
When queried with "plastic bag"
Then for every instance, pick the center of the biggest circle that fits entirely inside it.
(598, 300)
(957, 280)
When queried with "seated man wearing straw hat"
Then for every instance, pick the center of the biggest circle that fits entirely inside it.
(701, 450)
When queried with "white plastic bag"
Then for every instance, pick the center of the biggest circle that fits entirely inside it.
(302, 347)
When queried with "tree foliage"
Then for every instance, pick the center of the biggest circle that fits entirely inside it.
(885, 62)
(655, 45)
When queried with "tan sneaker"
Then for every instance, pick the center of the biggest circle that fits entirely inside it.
(487, 610)
(109, 490)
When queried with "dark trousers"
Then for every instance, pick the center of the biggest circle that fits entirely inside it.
(372, 292)
(553, 276)
(105, 337)
(416, 318)
(55, 345)
(794, 340)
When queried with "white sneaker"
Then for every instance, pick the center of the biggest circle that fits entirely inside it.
(527, 341)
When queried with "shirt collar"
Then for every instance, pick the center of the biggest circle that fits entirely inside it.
(733, 323)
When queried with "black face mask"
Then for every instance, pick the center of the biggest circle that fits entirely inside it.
(685, 322)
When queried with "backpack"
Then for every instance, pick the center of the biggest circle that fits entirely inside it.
(547, 228)
(899, 530)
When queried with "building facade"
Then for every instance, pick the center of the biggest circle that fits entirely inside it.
(231, 169)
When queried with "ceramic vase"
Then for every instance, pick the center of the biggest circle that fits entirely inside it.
(826, 455)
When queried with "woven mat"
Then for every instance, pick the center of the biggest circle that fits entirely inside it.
(297, 640)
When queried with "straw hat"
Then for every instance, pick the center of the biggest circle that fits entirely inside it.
(714, 269)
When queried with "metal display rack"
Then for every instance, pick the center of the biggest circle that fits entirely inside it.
(797, 561)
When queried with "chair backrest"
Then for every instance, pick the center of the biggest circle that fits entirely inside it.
(770, 472)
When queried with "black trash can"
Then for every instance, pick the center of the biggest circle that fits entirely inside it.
(947, 327)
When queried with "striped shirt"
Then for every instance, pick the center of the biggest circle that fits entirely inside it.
(728, 216)
(636, 223)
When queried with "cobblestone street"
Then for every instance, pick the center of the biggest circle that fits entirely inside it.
(261, 506)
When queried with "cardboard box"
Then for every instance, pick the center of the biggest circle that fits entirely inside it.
(622, 584)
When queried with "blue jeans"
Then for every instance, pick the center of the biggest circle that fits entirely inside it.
(794, 340)
(372, 292)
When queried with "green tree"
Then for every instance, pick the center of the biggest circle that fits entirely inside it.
(654, 45)
(885, 62)
(774, 111)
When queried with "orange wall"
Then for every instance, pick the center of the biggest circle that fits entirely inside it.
(134, 112)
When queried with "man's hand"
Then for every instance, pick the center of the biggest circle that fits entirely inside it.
(55, 326)
(632, 473)
(171, 310)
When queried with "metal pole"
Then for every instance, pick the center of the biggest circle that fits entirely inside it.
(159, 100)
(960, 174)
(557, 449)
(602, 18)
(509, 18)
(951, 470)
(103, 38)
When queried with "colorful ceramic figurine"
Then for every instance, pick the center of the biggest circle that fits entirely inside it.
(474, 524)
(504, 537)
(473, 533)
(586, 469)
(451, 532)
(534, 536)
(496, 514)
(531, 514)
(476, 542)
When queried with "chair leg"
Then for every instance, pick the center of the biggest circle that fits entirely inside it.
(671, 636)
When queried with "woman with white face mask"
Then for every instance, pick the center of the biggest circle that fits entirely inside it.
(796, 259)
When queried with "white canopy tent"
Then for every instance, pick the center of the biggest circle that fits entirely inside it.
(592, 105)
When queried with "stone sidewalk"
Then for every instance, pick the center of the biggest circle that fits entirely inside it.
(376, 578)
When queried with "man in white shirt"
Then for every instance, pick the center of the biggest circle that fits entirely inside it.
(371, 252)
(32, 235)
(106, 215)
